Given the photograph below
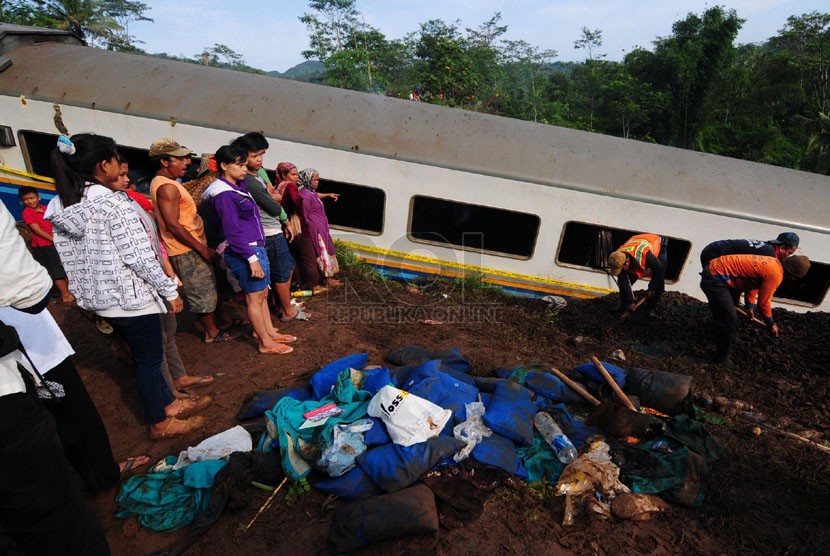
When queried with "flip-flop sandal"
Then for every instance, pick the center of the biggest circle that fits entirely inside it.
(200, 381)
(188, 426)
(132, 464)
(223, 336)
(285, 338)
(281, 349)
(194, 406)
(301, 315)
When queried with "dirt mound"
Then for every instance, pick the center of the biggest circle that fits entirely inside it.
(767, 495)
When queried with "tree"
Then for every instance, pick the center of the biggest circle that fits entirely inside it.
(686, 66)
(124, 12)
(328, 26)
(590, 77)
(222, 56)
(525, 67)
(86, 18)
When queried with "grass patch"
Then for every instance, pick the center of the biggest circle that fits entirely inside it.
(349, 261)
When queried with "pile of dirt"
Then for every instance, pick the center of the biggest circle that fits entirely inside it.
(767, 494)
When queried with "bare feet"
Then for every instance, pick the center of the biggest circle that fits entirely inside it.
(188, 381)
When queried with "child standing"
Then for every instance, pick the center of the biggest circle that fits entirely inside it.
(245, 256)
(43, 249)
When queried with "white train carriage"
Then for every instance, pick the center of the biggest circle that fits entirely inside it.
(426, 190)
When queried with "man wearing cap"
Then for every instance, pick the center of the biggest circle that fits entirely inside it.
(642, 256)
(183, 233)
(782, 247)
(723, 280)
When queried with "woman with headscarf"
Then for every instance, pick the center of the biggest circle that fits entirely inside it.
(317, 224)
(302, 248)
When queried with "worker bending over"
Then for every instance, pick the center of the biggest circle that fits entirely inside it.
(642, 256)
(782, 247)
(758, 276)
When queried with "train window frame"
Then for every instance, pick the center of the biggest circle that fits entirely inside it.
(824, 274)
(681, 265)
(26, 150)
(448, 245)
(328, 185)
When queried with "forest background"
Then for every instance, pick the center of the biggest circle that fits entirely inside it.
(695, 89)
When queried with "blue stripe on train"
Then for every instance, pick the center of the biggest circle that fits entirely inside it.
(421, 278)
(10, 198)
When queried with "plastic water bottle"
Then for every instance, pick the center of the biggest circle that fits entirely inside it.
(302, 293)
(550, 431)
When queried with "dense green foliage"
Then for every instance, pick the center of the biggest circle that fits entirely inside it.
(696, 89)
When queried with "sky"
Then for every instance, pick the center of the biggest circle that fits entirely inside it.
(269, 35)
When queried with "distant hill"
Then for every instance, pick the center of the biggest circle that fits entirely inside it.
(310, 70)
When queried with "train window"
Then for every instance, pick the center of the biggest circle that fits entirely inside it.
(358, 208)
(473, 227)
(810, 290)
(38, 150)
(589, 245)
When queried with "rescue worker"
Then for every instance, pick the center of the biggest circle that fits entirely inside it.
(642, 256)
(723, 280)
(782, 247)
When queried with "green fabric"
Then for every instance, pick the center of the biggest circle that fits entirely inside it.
(519, 374)
(540, 461)
(168, 500)
(694, 436)
(299, 448)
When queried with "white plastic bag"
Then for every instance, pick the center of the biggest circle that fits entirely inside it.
(409, 419)
(340, 456)
(471, 431)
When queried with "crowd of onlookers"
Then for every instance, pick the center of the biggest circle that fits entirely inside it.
(131, 263)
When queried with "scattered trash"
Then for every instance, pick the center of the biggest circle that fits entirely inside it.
(553, 435)
(348, 443)
(756, 431)
(409, 419)
(556, 301)
(471, 431)
(590, 483)
(617, 355)
(727, 403)
(638, 507)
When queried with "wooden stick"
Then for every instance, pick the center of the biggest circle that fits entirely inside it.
(575, 387)
(628, 313)
(265, 505)
(788, 434)
(740, 311)
(614, 386)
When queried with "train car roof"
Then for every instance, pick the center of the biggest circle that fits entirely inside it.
(418, 132)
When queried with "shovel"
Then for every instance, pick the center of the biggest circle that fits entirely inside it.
(614, 419)
(629, 312)
(752, 318)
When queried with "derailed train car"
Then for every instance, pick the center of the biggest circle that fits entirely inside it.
(425, 190)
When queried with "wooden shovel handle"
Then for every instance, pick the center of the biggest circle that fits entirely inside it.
(575, 387)
(756, 320)
(614, 386)
(628, 313)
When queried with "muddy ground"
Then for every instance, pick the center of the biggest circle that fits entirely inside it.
(767, 494)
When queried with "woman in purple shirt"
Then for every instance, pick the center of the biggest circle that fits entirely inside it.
(245, 254)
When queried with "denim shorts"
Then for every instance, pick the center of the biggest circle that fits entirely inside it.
(279, 258)
(241, 270)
